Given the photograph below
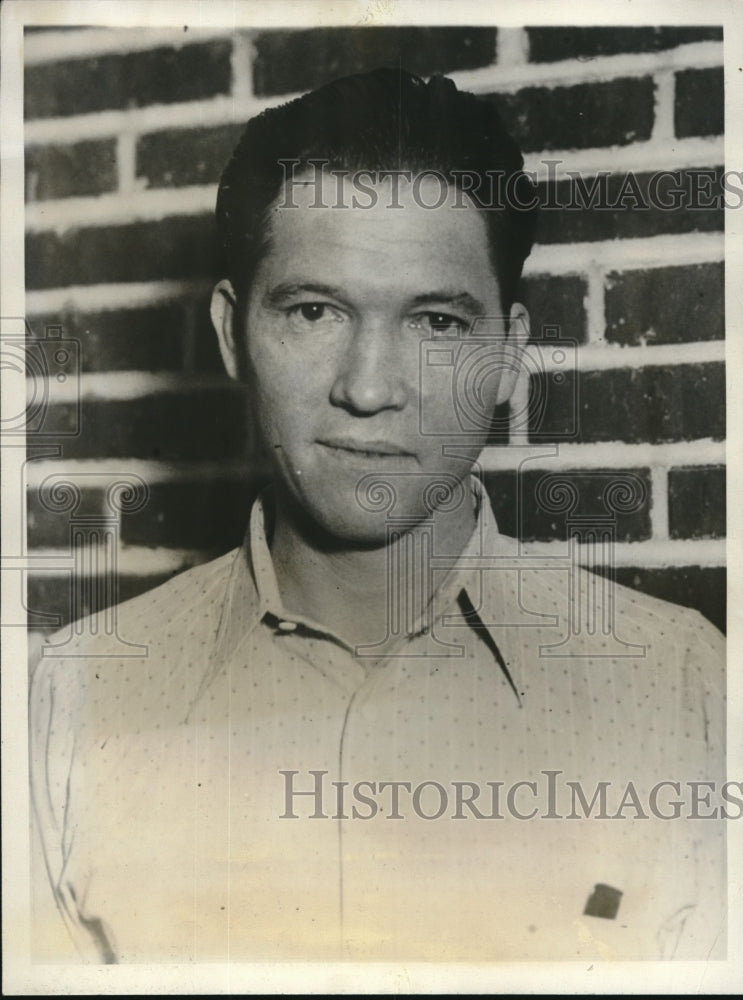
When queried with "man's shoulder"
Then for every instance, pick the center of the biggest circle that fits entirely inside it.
(654, 613)
(630, 662)
(575, 590)
(202, 583)
(107, 666)
(190, 600)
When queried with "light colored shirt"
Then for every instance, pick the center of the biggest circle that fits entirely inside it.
(190, 803)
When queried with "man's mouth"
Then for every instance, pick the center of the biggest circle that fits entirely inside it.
(366, 449)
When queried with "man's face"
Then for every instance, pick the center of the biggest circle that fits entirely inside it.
(337, 314)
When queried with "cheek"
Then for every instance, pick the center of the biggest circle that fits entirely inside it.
(286, 390)
(452, 432)
(274, 366)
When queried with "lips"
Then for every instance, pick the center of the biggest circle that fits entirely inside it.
(366, 449)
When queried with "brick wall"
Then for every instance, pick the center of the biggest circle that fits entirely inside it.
(126, 135)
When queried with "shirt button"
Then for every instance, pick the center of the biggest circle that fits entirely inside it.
(287, 626)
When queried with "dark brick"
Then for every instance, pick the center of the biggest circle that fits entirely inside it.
(129, 80)
(551, 44)
(66, 171)
(499, 426)
(700, 102)
(186, 156)
(696, 502)
(177, 247)
(502, 488)
(199, 515)
(628, 204)
(522, 511)
(701, 587)
(290, 61)
(37, 29)
(666, 305)
(50, 528)
(200, 424)
(590, 114)
(48, 601)
(556, 302)
(150, 339)
(652, 404)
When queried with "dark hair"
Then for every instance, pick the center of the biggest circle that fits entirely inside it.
(387, 119)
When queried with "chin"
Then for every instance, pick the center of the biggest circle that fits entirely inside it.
(355, 529)
(362, 515)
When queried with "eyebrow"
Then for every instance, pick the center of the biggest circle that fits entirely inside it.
(286, 290)
(281, 293)
(458, 300)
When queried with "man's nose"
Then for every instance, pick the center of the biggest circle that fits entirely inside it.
(371, 375)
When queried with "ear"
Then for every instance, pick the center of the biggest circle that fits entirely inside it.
(223, 313)
(516, 341)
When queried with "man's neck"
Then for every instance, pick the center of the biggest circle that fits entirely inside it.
(349, 590)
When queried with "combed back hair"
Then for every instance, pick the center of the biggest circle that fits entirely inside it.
(384, 120)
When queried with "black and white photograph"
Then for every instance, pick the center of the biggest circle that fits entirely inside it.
(368, 375)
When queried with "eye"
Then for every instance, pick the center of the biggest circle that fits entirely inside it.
(317, 315)
(440, 323)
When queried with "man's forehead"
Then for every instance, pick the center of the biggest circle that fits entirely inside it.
(376, 214)
(380, 252)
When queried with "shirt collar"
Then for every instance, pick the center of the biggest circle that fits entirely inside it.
(492, 594)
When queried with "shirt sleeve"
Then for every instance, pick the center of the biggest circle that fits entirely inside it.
(703, 933)
(60, 932)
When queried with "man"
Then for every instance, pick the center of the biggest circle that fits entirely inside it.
(378, 730)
